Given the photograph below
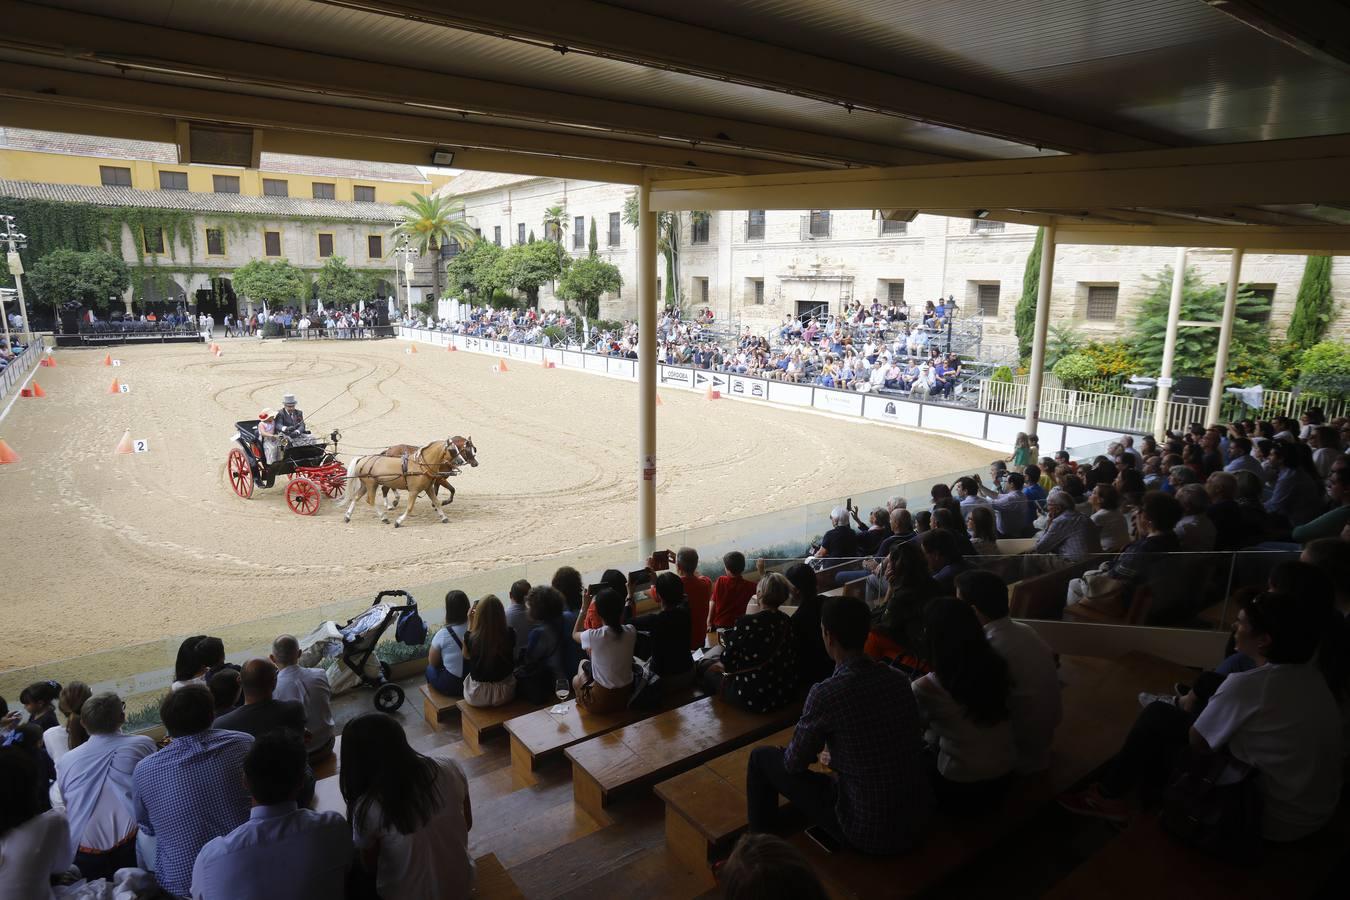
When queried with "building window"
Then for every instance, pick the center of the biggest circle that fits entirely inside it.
(225, 184)
(986, 299)
(699, 229)
(1101, 302)
(173, 181)
(889, 226)
(895, 292)
(324, 190)
(271, 243)
(215, 242)
(276, 187)
(816, 225)
(375, 246)
(614, 233)
(152, 240)
(325, 244)
(520, 233)
(579, 233)
(984, 226)
(756, 291)
(363, 193)
(754, 225)
(1266, 292)
(497, 235)
(701, 291)
(115, 176)
(659, 295)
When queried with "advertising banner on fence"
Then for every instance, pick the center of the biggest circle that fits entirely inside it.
(752, 388)
(795, 394)
(674, 376)
(890, 409)
(846, 403)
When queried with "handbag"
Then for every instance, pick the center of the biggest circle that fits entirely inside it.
(1214, 805)
(489, 693)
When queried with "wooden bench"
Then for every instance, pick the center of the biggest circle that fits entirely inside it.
(478, 722)
(491, 880)
(539, 735)
(1042, 596)
(648, 751)
(437, 707)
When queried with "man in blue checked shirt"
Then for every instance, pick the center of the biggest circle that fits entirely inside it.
(193, 789)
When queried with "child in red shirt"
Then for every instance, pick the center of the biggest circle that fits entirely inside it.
(731, 593)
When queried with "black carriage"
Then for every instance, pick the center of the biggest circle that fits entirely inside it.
(312, 469)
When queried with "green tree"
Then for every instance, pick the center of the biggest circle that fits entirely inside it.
(594, 243)
(272, 281)
(1024, 317)
(1313, 307)
(586, 280)
(555, 223)
(472, 270)
(525, 267)
(93, 277)
(531, 240)
(427, 223)
(1074, 370)
(340, 283)
(1060, 342)
(1325, 369)
(1196, 347)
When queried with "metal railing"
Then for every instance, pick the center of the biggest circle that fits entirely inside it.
(19, 367)
(1117, 412)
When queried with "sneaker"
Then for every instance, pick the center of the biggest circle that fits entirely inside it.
(1092, 802)
(1181, 688)
(1145, 698)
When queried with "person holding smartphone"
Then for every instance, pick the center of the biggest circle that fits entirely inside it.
(604, 683)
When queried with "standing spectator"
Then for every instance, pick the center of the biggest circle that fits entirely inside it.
(193, 789)
(864, 722)
(410, 814)
(730, 594)
(1034, 700)
(34, 840)
(283, 850)
(1021, 454)
(445, 658)
(518, 616)
(311, 688)
(489, 655)
(1069, 534)
(604, 683)
(757, 670)
(697, 592)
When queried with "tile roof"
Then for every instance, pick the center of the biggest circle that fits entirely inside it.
(280, 207)
(34, 141)
(477, 182)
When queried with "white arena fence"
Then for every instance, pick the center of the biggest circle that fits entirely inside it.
(985, 425)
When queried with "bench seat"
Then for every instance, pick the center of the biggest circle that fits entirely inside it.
(648, 751)
(479, 722)
(491, 880)
(437, 707)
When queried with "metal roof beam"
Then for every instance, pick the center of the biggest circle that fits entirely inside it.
(654, 41)
(1316, 28)
(151, 49)
(1322, 240)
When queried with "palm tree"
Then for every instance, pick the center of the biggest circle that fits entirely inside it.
(555, 218)
(428, 222)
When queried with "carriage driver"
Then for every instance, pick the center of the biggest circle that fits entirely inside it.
(267, 432)
(290, 421)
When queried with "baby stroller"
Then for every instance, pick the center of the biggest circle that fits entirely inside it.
(353, 645)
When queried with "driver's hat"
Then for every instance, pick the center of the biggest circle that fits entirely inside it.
(265, 415)
(287, 399)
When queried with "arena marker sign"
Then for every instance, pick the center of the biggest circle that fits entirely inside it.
(140, 445)
(7, 455)
(116, 363)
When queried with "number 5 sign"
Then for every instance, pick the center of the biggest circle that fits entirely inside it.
(124, 388)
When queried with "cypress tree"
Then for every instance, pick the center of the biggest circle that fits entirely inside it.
(594, 242)
(1313, 306)
(1024, 317)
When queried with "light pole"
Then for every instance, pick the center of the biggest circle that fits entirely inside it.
(16, 242)
(408, 254)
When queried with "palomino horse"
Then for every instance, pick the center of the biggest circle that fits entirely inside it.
(398, 451)
(416, 474)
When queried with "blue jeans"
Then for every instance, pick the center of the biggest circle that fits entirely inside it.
(444, 681)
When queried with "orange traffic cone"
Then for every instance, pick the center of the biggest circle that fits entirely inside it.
(124, 445)
(38, 391)
(219, 352)
(548, 364)
(107, 360)
(213, 347)
(7, 455)
(412, 348)
(501, 366)
(115, 388)
(47, 362)
(450, 348)
(714, 395)
(659, 401)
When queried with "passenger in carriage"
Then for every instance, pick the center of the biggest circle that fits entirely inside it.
(267, 433)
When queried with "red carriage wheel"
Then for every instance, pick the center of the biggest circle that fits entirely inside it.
(335, 486)
(241, 476)
(303, 496)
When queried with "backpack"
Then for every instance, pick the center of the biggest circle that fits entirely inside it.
(410, 628)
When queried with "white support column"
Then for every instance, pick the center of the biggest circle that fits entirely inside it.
(1036, 377)
(646, 267)
(1169, 346)
(1225, 337)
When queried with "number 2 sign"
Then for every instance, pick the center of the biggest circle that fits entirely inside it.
(140, 446)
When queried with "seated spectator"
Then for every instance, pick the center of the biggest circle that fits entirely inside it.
(815, 662)
(308, 686)
(1225, 513)
(225, 690)
(697, 593)
(757, 670)
(763, 866)
(1068, 534)
(261, 711)
(283, 850)
(542, 665)
(1256, 522)
(967, 491)
(34, 839)
(1325, 444)
(945, 561)
(1240, 458)
(951, 521)
(1330, 523)
(58, 741)
(410, 814)
(1279, 718)
(39, 699)
(730, 594)
(1112, 529)
(1034, 699)
(445, 657)
(980, 527)
(617, 582)
(869, 538)
(841, 541)
(1298, 495)
(490, 653)
(567, 581)
(1110, 587)
(863, 722)
(1012, 516)
(1035, 492)
(189, 666)
(95, 782)
(211, 651)
(193, 789)
(963, 704)
(1195, 531)
(898, 624)
(663, 635)
(518, 616)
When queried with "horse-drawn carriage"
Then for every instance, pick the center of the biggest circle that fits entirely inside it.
(312, 469)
